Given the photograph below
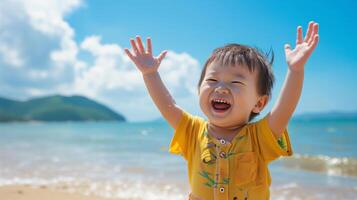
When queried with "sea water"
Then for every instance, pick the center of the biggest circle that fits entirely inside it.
(130, 160)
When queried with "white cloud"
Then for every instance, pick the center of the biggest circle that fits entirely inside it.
(11, 56)
(38, 51)
(39, 56)
(114, 80)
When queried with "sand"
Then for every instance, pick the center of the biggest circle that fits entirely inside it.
(23, 192)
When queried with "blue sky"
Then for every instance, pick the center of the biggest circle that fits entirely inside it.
(190, 30)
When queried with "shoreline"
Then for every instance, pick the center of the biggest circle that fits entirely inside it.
(27, 192)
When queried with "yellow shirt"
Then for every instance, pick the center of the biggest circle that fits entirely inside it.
(222, 170)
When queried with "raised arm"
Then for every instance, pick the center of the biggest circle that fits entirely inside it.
(290, 93)
(148, 65)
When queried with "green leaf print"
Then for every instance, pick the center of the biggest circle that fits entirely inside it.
(226, 181)
(281, 143)
(208, 184)
(210, 180)
(240, 137)
(205, 133)
(206, 175)
(229, 155)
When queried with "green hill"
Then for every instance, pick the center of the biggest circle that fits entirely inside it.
(56, 108)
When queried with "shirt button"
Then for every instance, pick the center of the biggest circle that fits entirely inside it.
(222, 141)
(221, 189)
(222, 154)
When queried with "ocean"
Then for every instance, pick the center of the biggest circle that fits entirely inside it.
(131, 161)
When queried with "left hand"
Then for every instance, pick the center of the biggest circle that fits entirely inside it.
(296, 58)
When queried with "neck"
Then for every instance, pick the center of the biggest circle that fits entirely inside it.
(226, 133)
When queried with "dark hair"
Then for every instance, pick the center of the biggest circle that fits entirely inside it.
(253, 58)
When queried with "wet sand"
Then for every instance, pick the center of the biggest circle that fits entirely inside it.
(23, 192)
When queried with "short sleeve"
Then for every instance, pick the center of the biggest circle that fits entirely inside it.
(270, 147)
(184, 138)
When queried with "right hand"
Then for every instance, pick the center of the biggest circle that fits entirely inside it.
(144, 59)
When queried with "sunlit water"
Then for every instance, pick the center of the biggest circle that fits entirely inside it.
(130, 160)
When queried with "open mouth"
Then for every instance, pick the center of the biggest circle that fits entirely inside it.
(220, 105)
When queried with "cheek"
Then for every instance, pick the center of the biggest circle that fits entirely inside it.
(204, 89)
(248, 100)
(238, 93)
(242, 98)
(203, 104)
(204, 96)
(236, 90)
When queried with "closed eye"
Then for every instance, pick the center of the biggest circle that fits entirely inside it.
(238, 82)
(211, 79)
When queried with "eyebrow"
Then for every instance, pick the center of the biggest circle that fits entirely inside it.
(236, 75)
(241, 76)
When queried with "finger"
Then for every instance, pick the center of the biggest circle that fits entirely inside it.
(148, 44)
(314, 33)
(299, 35)
(162, 56)
(287, 48)
(309, 31)
(140, 44)
(314, 43)
(133, 45)
(129, 53)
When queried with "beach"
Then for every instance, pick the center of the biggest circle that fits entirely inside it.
(26, 192)
(130, 161)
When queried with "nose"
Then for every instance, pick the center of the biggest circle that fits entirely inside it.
(222, 89)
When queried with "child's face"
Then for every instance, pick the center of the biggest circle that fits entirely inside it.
(234, 85)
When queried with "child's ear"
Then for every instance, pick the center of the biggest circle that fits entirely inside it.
(262, 102)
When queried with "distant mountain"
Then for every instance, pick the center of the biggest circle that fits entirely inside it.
(56, 108)
(332, 115)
